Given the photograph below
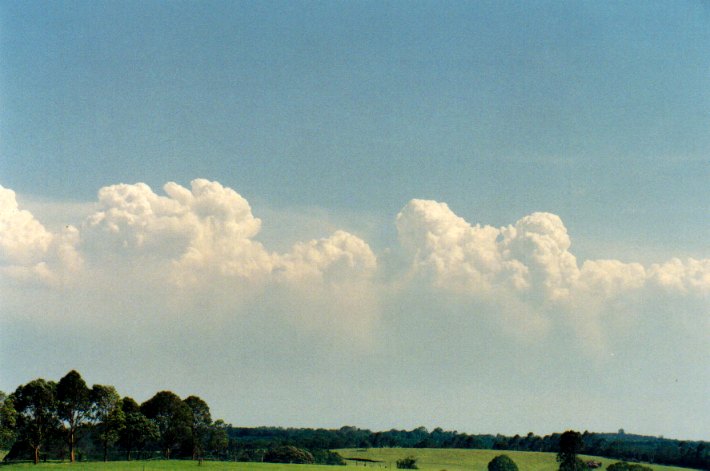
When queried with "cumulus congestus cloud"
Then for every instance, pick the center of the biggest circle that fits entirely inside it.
(28, 251)
(190, 243)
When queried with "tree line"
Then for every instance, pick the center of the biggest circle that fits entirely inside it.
(70, 420)
(620, 445)
(46, 419)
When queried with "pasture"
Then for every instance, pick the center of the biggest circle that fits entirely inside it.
(379, 459)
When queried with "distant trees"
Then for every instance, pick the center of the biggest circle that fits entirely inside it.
(502, 463)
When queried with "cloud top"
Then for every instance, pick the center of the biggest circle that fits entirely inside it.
(206, 236)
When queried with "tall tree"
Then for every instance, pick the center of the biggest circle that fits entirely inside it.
(200, 426)
(218, 440)
(107, 415)
(73, 406)
(36, 407)
(137, 428)
(570, 446)
(173, 418)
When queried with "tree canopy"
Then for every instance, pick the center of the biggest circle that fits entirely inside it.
(502, 463)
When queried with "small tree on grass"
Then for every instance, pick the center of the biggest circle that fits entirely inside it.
(409, 462)
(502, 463)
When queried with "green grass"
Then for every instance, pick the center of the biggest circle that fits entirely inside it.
(428, 459)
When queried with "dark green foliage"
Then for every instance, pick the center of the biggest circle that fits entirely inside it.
(8, 421)
(173, 418)
(502, 463)
(328, 457)
(570, 446)
(409, 462)
(37, 420)
(289, 454)
(73, 407)
(108, 416)
(199, 426)
(218, 439)
(137, 429)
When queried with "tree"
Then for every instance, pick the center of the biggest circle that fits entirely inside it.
(137, 428)
(218, 440)
(73, 407)
(200, 425)
(8, 421)
(570, 446)
(289, 454)
(36, 407)
(173, 418)
(502, 463)
(107, 415)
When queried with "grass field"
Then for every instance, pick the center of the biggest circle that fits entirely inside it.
(428, 459)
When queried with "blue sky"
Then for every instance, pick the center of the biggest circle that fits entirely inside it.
(330, 116)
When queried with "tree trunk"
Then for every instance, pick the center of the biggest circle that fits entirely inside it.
(128, 455)
(105, 452)
(36, 455)
(71, 446)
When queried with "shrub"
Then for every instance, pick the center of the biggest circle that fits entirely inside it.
(502, 463)
(409, 462)
(289, 454)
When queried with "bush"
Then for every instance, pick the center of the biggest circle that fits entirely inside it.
(409, 462)
(328, 457)
(502, 463)
(289, 454)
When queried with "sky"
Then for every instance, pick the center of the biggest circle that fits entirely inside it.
(490, 217)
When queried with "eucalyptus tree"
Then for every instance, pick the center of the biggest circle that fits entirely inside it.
(173, 418)
(73, 407)
(199, 426)
(138, 430)
(107, 415)
(36, 407)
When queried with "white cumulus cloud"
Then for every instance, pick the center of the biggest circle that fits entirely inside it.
(28, 251)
